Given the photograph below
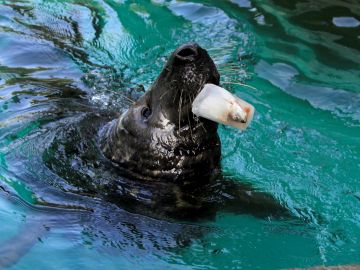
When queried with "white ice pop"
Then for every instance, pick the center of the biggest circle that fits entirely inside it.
(219, 105)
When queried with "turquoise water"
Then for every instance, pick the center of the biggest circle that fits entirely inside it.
(61, 59)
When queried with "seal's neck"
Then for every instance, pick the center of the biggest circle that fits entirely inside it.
(178, 156)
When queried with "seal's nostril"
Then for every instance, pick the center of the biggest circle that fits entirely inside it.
(187, 52)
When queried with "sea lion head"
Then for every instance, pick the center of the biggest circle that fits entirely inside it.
(159, 137)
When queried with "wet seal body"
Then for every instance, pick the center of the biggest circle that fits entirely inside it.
(159, 137)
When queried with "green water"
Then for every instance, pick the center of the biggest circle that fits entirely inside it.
(301, 59)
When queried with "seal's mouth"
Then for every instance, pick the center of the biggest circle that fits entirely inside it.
(201, 95)
(186, 100)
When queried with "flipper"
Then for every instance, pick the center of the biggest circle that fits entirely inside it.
(242, 198)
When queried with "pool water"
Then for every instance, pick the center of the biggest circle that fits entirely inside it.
(300, 60)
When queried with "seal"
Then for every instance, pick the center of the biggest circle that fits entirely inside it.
(159, 143)
(159, 138)
(157, 158)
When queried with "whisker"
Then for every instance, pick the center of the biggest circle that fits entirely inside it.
(188, 117)
(128, 99)
(204, 128)
(194, 95)
(164, 95)
(242, 84)
(179, 108)
(229, 71)
(228, 65)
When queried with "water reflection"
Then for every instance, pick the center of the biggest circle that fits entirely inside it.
(62, 61)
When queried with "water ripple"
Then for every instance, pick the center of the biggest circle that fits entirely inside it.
(63, 61)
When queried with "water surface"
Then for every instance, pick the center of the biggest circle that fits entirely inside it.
(61, 60)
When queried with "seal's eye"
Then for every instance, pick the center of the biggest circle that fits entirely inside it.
(145, 112)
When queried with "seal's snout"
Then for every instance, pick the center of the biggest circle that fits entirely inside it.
(174, 144)
(187, 53)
